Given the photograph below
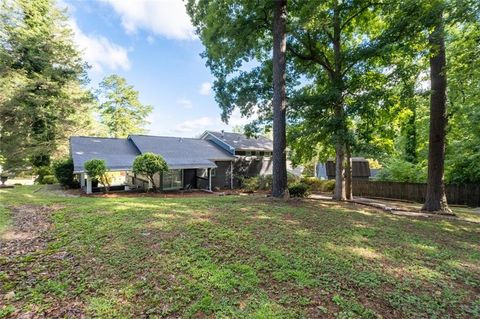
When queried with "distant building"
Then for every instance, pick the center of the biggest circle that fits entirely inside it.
(360, 168)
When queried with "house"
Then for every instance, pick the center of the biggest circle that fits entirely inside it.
(215, 160)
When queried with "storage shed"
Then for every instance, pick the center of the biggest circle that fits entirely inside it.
(360, 168)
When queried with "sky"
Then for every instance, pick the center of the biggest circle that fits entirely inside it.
(152, 44)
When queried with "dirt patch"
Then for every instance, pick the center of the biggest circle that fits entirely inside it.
(28, 232)
(28, 235)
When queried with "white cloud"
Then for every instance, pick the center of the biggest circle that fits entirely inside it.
(236, 118)
(150, 39)
(193, 126)
(99, 52)
(187, 104)
(205, 88)
(167, 18)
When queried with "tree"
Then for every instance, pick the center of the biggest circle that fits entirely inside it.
(436, 200)
(279, 183)
(343, 48)
(149, 164)
(238, 41)
(463, 143)
(120, 110)
(97, 169)
(42, 79)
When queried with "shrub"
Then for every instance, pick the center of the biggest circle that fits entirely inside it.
(97, 169)
(298, 190)
(42, 172)
(250, 184)
(63, 170)
(149, 164)
(292, 179)
(264, 182)
(319, 185)
(49, 179)
(398, 170)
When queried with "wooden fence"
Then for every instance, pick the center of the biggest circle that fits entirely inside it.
(467, 194)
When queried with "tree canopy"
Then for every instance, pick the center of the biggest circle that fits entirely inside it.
(42, 77)
(120, 109)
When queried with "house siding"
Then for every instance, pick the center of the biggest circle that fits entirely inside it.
(249, 166)
(221, 179)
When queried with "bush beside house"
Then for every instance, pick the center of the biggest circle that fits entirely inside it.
(149, 164)
(97, 169)
(63, 170)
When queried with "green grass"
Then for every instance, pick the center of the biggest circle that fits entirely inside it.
(242, 257)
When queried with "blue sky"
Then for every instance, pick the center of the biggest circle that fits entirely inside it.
(152, 44)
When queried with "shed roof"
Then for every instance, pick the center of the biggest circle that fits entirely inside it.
(181, 152)
(118, 153)
(242, 142)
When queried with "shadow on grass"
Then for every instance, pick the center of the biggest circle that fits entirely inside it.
(250, 257)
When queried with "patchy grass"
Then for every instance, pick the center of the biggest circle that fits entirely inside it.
(239, 257)
(4, 218)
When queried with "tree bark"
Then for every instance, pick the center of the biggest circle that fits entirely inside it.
(279, 185)
(436, 200)
(340, 132)
(348, 174)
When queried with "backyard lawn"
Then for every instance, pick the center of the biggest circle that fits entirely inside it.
(230, 257)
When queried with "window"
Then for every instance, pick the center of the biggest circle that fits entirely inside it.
(248, 153)
(241, 153)
(213, 171)
(172, 179)
(262, 153)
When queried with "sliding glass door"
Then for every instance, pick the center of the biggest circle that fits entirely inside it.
(172, 179)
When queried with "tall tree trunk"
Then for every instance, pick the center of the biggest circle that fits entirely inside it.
(339, 193)
(340, 131)
(436, 200)
(348, 174)
(279, 185)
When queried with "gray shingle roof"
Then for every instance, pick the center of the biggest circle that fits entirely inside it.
(118, 153)
(182, 152)
(242, 142)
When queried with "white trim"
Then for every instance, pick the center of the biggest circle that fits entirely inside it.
(232, 149)
(89, 185)
(231, 175)
(209, 179)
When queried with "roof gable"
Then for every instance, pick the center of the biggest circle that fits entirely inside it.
(118, 153)
(242, 142)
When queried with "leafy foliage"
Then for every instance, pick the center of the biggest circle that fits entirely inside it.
(63, 170)
(149, 164)
(41, 172)
(318, 185)
(97, 169)
(120, 110)
(41, 80)
(49, 179)
(399, 170)
(299, 190)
